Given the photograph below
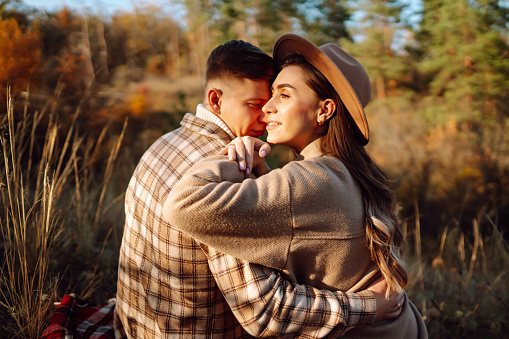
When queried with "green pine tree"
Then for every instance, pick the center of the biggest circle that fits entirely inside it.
(465, 59)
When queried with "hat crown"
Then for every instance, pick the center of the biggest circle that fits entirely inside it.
(351, 69)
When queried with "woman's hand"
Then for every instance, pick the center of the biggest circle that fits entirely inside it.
(386, 308)
(249, 153)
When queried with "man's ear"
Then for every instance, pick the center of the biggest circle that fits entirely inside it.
(214, 96)
(327, 109)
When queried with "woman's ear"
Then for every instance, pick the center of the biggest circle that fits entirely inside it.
(214, 96)
(327, 109)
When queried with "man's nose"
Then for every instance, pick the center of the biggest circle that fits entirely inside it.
(261, 116)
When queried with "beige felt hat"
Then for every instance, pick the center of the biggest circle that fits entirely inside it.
(342, 70)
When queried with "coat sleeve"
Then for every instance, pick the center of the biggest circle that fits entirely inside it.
(250, 219)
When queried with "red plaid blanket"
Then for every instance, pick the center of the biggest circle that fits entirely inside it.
(76, 318)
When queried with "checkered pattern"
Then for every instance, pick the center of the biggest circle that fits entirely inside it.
(77, 318)
(166, 287)
(270, 306)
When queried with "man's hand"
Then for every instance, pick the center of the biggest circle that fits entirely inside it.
(386, 308)
(249, 153)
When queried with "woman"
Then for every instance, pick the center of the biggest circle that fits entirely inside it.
(327, 219)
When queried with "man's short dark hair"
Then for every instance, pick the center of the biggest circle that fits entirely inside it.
(239, 59)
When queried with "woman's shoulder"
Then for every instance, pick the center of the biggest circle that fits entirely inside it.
(321, 163)
(318, 169)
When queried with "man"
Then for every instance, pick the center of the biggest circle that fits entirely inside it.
(167, 284)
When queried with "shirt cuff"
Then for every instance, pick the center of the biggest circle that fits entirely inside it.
(362, 309)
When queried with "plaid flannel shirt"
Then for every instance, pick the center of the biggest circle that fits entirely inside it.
(168, 286)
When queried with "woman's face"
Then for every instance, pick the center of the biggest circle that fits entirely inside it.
(291, 114)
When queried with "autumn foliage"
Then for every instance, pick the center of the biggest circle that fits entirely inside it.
(20, 57)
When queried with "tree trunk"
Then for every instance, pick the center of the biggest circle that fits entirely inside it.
(88, 53)
(176, 67)
(193, 52)
(104, 74)
(380, 88)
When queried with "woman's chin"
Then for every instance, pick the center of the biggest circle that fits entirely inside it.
(278, 141)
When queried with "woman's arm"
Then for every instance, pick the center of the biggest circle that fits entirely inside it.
(249, 219)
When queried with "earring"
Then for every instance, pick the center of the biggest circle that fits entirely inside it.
(320, 121)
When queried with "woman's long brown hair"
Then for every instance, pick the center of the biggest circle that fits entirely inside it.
(341, 140)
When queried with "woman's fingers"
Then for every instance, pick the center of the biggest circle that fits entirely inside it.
(240, 153)
(264, 149)
(224, 151)
(386, 308)
(401, 299)
(228, 150)
(248, 144)
(247, 151)
(397, 299)
(398, 302)
(231, 151)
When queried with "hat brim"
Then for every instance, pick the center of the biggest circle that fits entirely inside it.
(289, 43)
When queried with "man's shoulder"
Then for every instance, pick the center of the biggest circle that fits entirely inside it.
(186, 142)
(204, 127)
(193, 127)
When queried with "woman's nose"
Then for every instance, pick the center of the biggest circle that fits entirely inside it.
(268, 108)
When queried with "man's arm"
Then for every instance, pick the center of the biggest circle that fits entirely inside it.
(266, 304)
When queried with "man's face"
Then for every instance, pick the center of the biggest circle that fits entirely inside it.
(241, 106)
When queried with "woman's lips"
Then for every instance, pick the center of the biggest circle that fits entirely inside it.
(273, 124)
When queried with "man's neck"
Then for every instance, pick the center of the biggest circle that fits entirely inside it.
(206, 114)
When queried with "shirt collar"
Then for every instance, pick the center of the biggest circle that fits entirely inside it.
(205, 114)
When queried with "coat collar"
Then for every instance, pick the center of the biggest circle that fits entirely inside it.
(312, 150)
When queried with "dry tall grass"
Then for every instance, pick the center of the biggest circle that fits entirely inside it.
(459, 282)
(37, 185)
(453, 198)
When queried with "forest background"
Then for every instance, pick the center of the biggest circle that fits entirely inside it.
(84, 94)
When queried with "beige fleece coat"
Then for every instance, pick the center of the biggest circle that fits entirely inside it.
(306, 219)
